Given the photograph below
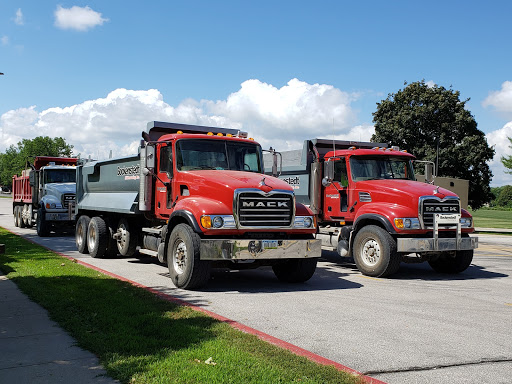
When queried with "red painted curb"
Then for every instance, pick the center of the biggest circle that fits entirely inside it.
(261, 335)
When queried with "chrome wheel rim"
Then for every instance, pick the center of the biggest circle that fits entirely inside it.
(370, 252)
(179, 258)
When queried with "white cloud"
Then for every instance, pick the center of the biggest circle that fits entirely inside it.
(501, 100)
(430, 84)
(77, 18)
(4, 40)
(18, 20)
(501, 144)
(277, 117)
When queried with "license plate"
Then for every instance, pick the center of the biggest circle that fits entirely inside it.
(447, 219)
(269, 244)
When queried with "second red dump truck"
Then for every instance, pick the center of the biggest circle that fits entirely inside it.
(369, 206)
(196, 198)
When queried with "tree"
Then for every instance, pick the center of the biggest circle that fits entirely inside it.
(432, 123)
(505, 197)
(15, 159)
(507, 161)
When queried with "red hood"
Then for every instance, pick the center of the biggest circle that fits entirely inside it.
(408, 188)
(230, 180)
(404, 193)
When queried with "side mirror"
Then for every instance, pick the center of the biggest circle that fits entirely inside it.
(32, 178)
(429, 173)
(328, 173)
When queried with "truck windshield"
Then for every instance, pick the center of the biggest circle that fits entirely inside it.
(192, 154)
(60, 176)
(381, 167)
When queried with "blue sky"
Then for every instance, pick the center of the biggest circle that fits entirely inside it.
(95, 72)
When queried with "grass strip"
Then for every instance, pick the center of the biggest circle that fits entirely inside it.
(491, 218)
(140, 338)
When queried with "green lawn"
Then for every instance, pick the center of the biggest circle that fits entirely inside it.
(140, 338)
(488, 218)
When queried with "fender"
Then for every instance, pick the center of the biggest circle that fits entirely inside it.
(374, 217)
(189, 218)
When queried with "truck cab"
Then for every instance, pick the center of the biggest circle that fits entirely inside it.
(369, 206)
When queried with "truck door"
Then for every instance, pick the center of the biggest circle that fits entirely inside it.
(163, 185)
(336, 194)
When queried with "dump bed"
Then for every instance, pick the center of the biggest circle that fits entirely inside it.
(109, 185)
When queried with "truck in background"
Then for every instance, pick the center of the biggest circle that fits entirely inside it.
(370, 207)
(44, 195)
(196, 198)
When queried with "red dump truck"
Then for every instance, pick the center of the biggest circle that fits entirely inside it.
(369, 206)
(45, 194)
(196, 198)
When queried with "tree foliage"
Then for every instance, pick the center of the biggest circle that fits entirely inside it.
(15, 159)
(505, 197)
(430, 120)
(507, 161)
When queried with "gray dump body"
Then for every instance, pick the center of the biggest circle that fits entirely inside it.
(110, 185)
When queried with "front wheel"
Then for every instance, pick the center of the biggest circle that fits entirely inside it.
(447, 263)
(186, 269)
(42, 226)
(295, 270)
(375, 252)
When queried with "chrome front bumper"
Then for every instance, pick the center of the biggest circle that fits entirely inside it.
(409, 245)
(259, 249)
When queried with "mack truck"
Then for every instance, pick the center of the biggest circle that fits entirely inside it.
(44, 194)
(370, 207)
(196, 198)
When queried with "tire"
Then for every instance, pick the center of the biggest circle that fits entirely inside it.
(42, 226)
(449, 264)
(82, 225)
(374, 252)
(97, 237)
(112, 250)
(21, 222)
(15, 213)
(28, 215)
(186, 269)
(295, 270)
(127, 241)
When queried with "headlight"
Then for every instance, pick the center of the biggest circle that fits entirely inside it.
(407, 223)
(51, 205)
(466, 222)
(303, 222)
(218, 222)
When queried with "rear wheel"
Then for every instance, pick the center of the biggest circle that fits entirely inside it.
(449, 263)
(15, 213)
(97, 237)
(42, 226)
(127, 240)
(27, 215)
(81, 233)
(295, 270)
(186, 269)
(375, 252)
(21, 222)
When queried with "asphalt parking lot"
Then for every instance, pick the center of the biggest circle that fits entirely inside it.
(416, 327)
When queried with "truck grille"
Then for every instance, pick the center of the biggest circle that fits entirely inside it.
(259, 209)
(67, 199)
(430, 205)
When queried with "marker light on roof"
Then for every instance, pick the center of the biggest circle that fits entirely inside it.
(352, 148)
(210, 133)
(180, 132)
(220, 134)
